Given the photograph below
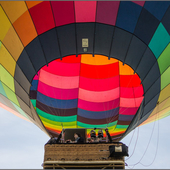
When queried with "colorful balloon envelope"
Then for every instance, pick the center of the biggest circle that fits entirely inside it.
(85, 64)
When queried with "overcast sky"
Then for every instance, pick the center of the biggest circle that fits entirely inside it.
(22, 144)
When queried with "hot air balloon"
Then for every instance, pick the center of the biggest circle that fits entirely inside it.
(85, 64)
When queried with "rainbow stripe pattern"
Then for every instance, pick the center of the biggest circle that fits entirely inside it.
(87, 92)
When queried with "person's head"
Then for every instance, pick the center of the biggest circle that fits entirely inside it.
(92, 134)
(76, 135)
(100, 133)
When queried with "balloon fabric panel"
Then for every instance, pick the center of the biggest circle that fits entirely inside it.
(128, 15)
(26, 66)
(21, 93)
(127, 111)
(120, 44)
(141, 3)
(107, 12)
(98, 115)
(56, 103)
(7, 61)
(14, 9)
(10, 94)
(67, 39)
(16, 48)
(163, 60)
(99, 72)
(57, 93)
(49, 43)
(146, 62)
(137, 48)
(62, 80)
(63, 12)
(85, 30)
(25, 28)
(165, 81)
(94, 96)
(63, 69)
(145, 28)
(149, 94)
(81, 12)
(151, 77)
(7, 83)
(165, 20)
(6, 24)
(100, 60)
(157, 8)
(98, 82)
(159, 41)
(42, 16)
(31, 4)
(103, 38)
(70, 111)
(34, 52)
(134, 33)
(96, 106)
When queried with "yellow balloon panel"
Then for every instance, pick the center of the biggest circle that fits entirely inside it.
(162, 114)
(51, 126)
(13, 43)
(6, 78)
(161, 106)
(7, 60)
(14, 9)
(5, 22)
(161, 111)
(164, 80)
(164, 94)
(10, 94)
(166, 103)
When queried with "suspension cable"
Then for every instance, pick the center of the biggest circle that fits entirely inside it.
(139, 162)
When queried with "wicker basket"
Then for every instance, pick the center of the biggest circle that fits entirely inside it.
(80, 155)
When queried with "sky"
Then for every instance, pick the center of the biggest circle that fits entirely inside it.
(22, 144)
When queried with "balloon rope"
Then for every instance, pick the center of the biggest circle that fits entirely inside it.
(156, 146)
(139, 162)
(133, 135)
(135, 145)
(135, 125)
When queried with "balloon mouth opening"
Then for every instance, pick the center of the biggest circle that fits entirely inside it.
(86, 92)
